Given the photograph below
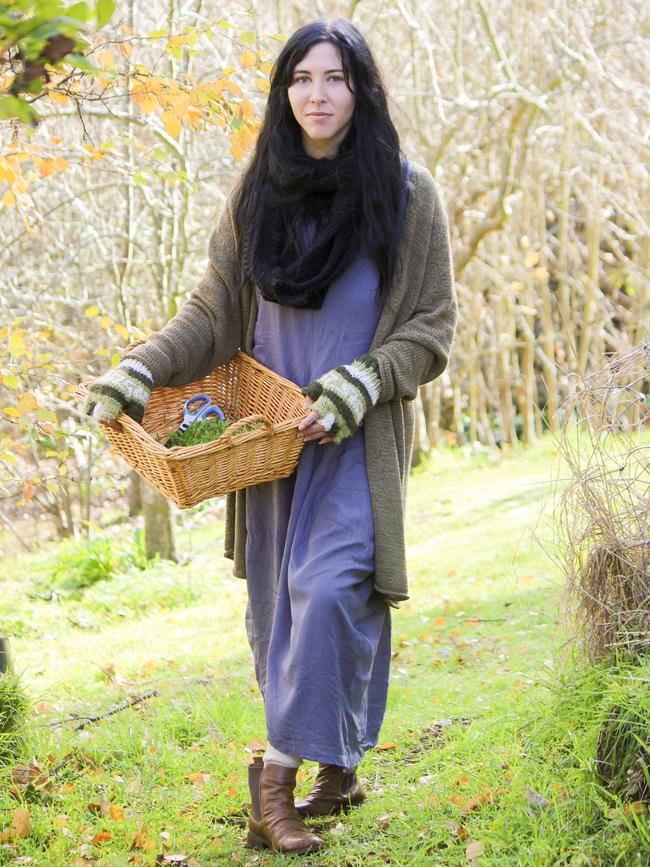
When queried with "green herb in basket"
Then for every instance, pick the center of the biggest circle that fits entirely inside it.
(204, 432)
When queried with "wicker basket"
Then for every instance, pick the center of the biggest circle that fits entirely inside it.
(248, 393)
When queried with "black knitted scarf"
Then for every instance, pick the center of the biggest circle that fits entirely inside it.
(299, 192)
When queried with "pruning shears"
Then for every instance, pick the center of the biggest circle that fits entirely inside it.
(198, 408)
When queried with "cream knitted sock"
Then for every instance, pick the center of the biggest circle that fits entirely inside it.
(278, 758)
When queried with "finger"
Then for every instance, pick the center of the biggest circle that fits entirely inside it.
(316, 435)
(307, 402)
(110, 422)
(324, 440)
(315, 427)
(308, 420)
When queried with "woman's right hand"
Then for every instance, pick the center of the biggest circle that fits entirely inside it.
(125, 388)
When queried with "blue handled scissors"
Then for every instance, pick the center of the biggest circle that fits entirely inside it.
(199, 408)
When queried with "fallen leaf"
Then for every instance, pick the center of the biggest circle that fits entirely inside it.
(199, 777)
(116, 812)
(389, 745)
(102, 837)
(21, 823)
(474, 849)
(537, 801)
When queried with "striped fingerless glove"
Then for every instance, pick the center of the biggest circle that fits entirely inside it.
(125, 387)
(343, 396)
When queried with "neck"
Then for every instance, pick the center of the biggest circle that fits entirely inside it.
(320, 150)
(326, 149)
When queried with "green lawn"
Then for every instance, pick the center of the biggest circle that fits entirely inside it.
(478, 723)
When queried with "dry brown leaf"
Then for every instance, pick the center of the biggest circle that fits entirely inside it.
(142, 840)
(116, 812)
(102, 837)
(24, 775)
(21, 822)
(199, 777)
(389, 745)
(256, 744)
(135, 784)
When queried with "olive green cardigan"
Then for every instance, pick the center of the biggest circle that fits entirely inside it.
(411, 344)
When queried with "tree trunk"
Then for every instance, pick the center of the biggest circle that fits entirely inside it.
(135, 494)
(158, 525)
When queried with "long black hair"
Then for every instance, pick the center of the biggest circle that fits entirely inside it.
(372, 135)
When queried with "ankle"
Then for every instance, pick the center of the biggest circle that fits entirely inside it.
(277, 757)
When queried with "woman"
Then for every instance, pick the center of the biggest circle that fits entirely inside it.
(331, 265)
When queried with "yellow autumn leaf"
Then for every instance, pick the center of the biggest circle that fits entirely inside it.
(106, 58)
(105, 321)
(11, 411)
(148, 104)
(245, 108)
(10, 380)
(8, 199)
(247, 58)
(121, 330)
(26, 403)
(171, 123)
(46, 168)
(193, 117)
(7, 174)
(17, 342)
(263, 84)
(232, 86)
(61, 164)
(58, 98)
(91, 311)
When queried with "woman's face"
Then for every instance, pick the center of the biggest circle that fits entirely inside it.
(321, 101)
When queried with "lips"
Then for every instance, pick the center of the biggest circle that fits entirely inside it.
(318, 114)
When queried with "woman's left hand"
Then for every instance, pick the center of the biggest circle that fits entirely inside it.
(309, 429)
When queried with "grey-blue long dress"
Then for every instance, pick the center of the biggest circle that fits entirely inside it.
(319, 632)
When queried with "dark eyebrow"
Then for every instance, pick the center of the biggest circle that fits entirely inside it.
(327, 71)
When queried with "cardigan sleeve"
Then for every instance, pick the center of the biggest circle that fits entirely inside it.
(207, 330)
(418, 349)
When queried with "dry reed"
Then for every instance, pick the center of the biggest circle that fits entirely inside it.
(603, 515)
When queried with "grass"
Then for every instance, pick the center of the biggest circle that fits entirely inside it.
(485, 756)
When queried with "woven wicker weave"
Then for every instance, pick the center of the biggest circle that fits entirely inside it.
(248, 393)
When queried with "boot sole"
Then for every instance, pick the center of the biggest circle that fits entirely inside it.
(254, 841)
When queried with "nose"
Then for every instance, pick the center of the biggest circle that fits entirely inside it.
(316, 95)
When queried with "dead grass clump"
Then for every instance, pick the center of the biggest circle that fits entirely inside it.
(603, 519)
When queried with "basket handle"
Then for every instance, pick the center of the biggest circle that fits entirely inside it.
(232, 430)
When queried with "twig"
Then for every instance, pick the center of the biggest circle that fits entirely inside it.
(91, 719)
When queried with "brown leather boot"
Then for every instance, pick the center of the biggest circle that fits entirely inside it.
(335, 789)
(274, 822)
